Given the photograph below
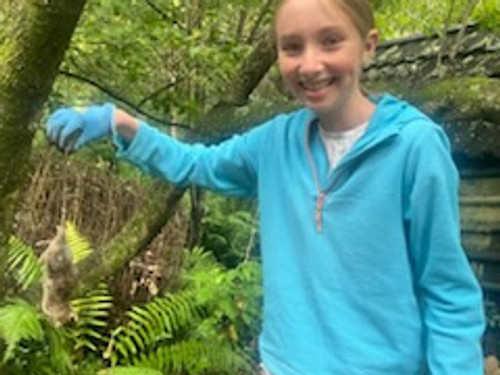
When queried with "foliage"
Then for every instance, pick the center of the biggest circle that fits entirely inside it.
(32, 343)
(229, 229)
(209, 324)
(153, 323)
(80, 247)
(196, 357)
(129, 371)
(19, 321)
(171, 58)
(23, 263)
(488, 14)
(402, 18)
(89, 331)
(232, 296)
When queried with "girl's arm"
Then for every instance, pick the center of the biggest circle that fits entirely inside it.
(449, 295)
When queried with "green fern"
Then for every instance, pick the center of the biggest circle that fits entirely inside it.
(79, 245)
(35, 346)
(151, 323)
(23, 263)
(19, 321)
(59, 358)
(93, 312)
(184, 333)
(129, 371)
(195, 357)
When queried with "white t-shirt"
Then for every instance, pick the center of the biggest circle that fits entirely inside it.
(338, 143)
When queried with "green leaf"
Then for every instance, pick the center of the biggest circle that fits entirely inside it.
(23, 261)
(80, 247)
(19, 321)
(129, 371)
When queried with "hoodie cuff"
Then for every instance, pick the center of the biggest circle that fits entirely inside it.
(136, 149)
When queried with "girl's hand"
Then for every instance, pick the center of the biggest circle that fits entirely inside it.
(71, 128)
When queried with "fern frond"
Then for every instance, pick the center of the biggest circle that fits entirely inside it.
(18, 321)
(93, 312)
(156, 321)
(23, 262)
(59, 354)
(199, 258)
(132, 370)
(79, 245)
(195, 357)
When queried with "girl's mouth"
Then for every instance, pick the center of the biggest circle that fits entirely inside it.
(317, 85)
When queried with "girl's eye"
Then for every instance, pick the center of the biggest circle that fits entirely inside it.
(331, 42)
(291, 48)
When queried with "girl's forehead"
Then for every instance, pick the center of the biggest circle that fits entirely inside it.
(293, 15)
(328, 7)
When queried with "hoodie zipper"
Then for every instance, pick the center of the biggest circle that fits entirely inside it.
(322, 194)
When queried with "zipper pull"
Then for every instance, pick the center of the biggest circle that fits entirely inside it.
(319, 211)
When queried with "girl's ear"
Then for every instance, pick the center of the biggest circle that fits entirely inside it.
(371, 43)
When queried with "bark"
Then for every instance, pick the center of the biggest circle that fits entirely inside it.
(32, 47)
(195, 229)
(251, 72)
(221, 119)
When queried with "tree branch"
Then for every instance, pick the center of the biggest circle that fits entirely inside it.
(156, 92)
(251, 72)
(135, 236)
(122, 99)
(163, 15)
(263, 11)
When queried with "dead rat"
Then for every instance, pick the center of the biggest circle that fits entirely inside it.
(59, 280)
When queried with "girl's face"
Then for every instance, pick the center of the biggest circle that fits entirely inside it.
(321, 53)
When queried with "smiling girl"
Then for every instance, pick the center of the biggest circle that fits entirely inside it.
(364, 273)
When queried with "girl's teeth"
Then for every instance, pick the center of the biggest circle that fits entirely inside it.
(316, 86)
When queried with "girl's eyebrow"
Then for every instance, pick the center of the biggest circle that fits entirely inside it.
(331, 29)
(288, 37)
(326, 30)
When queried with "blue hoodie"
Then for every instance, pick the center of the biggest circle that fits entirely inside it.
(364, 273)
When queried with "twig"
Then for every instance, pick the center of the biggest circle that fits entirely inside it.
(124, 100)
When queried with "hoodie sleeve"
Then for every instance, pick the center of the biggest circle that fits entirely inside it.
(449, 295)
(229, 168)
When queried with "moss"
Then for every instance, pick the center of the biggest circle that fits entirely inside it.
(470, 98)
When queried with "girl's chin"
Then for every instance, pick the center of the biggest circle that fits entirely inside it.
(323, 108)
(320, 102)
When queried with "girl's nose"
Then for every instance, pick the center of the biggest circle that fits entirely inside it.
(310, 63)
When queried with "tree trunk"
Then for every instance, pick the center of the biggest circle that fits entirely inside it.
(33, 40)
(195, 229)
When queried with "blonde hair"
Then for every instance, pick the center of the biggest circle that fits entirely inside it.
(359, 11)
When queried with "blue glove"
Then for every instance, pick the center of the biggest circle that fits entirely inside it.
(70, 128)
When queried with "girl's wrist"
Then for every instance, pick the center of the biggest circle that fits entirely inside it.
(124, 125)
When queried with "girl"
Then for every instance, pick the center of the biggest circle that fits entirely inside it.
(364, 273)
